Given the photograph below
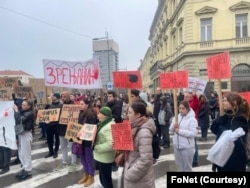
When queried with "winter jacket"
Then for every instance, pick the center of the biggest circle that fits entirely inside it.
(187, 131)
(138, 169)
(26, 117)
(237, 161)
(103, 151)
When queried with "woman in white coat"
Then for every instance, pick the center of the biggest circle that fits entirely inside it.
(185, 131)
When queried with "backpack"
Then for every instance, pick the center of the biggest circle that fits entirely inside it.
(155, 144)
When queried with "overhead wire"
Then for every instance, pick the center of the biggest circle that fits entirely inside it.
(43, 22)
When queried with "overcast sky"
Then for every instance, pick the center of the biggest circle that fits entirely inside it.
(32, 30)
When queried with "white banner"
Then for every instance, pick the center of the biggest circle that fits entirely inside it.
(82, 75)
(196, 84)
(7, 123)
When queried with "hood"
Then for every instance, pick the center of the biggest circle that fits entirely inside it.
(150, 124)
(189, 114)
(144, 96)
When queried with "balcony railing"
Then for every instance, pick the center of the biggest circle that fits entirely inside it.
(242, 41)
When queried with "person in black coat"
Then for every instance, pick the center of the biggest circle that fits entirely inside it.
(203, 117)
(236, 115)
(26, 117)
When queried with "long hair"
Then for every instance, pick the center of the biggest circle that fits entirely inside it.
(238, 103)
(90, 111)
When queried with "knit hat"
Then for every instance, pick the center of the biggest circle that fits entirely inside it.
(106, 111)
(57, 95)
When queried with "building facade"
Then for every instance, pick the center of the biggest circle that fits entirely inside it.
(106, 50)
(185, 32)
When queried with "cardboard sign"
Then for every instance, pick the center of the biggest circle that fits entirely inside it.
(127, 79)
(174, 80)
(85, 75)
(48, 115)
(8, 82)
(23, 91)
(218, 66)
(5, 94)
(87, 132)
(69, 113)
(72, 131)
(122, 136)
(246, 95)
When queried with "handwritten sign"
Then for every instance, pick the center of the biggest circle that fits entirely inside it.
(88, 132)
(72, 131)
(8, 82)
(85, 75)
(196, 84)
(122, 136)
(69, 113)
(174, 80)
(246, 95)
(23, 91)
(127, 79)
(218, 66)
(5, 94)
(48, 115)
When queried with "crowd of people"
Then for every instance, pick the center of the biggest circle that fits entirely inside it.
(141, 110)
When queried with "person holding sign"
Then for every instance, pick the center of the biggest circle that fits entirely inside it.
(52, 128)
(65, 97)
(236, 116)
(87, 115)
(138, 167)
(26, 117)
(185, 131)
(104, 154)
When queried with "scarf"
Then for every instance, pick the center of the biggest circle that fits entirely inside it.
(101, 124)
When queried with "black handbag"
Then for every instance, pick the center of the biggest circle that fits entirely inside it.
(19, 129)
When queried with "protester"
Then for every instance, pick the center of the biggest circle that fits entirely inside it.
(165, 106)
(213, 104)
(185, 131)
(116, 108)
(193, 101)
(236, 114)
(26, 117)
(87, 115)
(135, 95)
(156, 110)
(65, 97)
(203, 117)
(52, 128)
(104, 155)
(138, 168)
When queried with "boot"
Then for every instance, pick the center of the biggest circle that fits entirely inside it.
(89, 181)
(83, 179)
(20, 174)
(26, 175)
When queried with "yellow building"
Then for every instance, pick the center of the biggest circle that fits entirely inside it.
(185, 32)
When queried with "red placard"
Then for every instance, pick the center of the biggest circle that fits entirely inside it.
(246, 95)
(174, 80)
(218, 66)
(122, 136)
(127, 79)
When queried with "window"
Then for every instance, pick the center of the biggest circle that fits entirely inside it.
(206, 29)
(241, 25)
